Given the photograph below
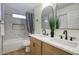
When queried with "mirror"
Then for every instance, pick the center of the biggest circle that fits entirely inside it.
(46, 14)
(68, 14)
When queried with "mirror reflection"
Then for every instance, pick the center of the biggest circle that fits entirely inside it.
(68, 14)
(46, 14)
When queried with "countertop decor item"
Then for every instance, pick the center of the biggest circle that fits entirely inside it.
(57, 23)
(53, 24)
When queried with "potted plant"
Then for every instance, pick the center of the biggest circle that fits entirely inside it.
(57, 23)
(53, 24)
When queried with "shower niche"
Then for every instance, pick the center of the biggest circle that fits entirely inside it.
(16, 26)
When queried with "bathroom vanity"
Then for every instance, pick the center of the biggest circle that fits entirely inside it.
(40, 47)
(36, 46)
(51, 50)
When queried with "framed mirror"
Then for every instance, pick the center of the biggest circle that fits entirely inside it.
(46, 14)
(68, 14)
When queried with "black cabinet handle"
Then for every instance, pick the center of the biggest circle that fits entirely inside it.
(33, 44)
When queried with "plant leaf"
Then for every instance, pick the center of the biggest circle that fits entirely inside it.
(52, 23)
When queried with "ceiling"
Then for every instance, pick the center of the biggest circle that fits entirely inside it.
(20, 8)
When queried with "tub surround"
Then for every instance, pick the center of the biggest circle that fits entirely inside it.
(46, 39)
(15, 44)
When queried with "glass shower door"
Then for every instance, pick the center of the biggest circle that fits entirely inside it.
(0, 33)
(0, 41)
(1, 28)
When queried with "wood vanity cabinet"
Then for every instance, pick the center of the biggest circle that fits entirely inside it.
(35, 46)
(51, 50)
(40, 48)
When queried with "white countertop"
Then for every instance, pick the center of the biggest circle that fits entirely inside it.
(46, 39)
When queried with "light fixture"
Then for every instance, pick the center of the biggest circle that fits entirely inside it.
(18, 16)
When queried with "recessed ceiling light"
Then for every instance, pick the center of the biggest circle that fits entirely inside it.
(18, 16)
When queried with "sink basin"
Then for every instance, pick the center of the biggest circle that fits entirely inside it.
(65, 42)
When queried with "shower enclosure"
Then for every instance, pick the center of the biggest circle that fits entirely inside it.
(13, 31)
(1, 28)
(0, 32)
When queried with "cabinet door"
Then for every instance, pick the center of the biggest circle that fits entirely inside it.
(32, 46)
(35, 46)
(50, 50)
(37, 49)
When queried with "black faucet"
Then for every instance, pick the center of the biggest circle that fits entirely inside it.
(65, 32)
(44, 32)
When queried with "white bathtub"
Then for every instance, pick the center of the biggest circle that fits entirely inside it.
(15, 44)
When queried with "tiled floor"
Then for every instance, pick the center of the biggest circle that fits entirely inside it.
(18, 52)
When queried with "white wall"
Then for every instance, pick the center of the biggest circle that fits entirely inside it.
(72, 16)
(37, 19)
(38, 29)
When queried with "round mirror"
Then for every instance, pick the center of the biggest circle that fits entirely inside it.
(68, 14)
(46, 14)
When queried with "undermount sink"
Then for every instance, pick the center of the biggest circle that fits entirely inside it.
(65, 42)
